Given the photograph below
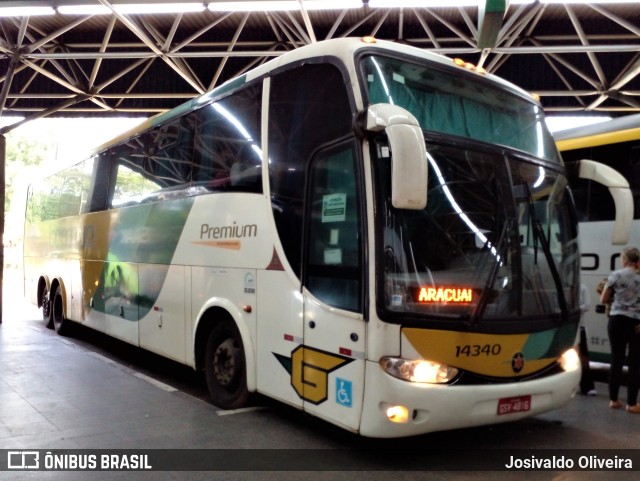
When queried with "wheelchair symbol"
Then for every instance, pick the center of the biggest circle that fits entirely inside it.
(343, 392)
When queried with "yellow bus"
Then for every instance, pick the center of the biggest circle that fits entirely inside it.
(607, 198)
(374, 234)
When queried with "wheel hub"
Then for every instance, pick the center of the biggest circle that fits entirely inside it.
(224, 362)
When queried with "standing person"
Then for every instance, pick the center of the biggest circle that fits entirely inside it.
(586, 380)
(622, 289)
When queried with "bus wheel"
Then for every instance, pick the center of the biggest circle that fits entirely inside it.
(60, 324)
(225, 368)
(46, 307)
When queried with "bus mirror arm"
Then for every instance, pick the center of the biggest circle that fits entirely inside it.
(622, 197)
(409, 166)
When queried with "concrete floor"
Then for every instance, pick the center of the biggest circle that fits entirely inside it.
(60, 393)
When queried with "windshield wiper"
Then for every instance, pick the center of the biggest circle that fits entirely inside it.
(538, 233)
(484, 296)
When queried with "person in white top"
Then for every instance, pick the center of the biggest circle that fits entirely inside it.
(622, 289)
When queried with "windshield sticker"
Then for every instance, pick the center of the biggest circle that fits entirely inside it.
(334, 208)
(398, 78)
(333, 256)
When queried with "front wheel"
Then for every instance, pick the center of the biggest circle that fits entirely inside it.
(225, 366)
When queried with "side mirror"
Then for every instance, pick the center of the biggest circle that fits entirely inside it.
(622, 196)
(409, 167)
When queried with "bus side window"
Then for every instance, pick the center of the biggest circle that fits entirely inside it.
(228, 154)
(308, 108)
(33, 213)
(155, 165)
(50, 199)
(61, 197)
(85, 185)
(101, 181)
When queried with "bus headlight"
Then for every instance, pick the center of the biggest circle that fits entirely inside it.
(418, 370)
(570, 360)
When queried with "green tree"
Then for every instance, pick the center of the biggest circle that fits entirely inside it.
(22, 151)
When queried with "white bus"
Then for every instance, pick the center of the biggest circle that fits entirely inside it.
(608, 214)
(376, 235)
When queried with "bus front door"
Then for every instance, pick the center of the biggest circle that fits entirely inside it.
(328, 370)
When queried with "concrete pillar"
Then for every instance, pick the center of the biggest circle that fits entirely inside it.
(3, 162)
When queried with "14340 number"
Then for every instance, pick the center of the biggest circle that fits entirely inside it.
(475, 350)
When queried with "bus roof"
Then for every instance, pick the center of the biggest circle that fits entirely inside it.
(343, 48)
(612, 131)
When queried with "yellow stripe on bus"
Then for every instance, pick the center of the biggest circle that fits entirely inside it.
(599, 139)
(485, 354)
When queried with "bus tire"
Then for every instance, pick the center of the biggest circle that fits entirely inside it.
(60, 323)
(225, 366)
(46, 307)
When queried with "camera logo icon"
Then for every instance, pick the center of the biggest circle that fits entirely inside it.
(23, 460)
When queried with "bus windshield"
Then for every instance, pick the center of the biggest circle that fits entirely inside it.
(459, 105)
(497, 239)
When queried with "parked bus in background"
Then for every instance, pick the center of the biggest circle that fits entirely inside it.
(374, 234)
(607, 198)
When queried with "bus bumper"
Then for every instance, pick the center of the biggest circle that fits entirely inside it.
(440, 407)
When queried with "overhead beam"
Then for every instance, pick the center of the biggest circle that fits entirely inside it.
(583, 38)
(307, 21)
(149, 43)
(490, 16)
(513, 50)
(223, 62)
(495, 37)
(43, 113)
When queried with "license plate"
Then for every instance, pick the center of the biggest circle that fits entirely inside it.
(511, 405)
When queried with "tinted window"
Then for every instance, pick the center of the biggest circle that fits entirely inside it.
(334, 254)
(158, 160)
(452, 101)
(228, 147)
(308, 108)
(59, 195)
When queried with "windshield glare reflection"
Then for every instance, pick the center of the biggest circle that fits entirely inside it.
(454, 102)
(496, 241)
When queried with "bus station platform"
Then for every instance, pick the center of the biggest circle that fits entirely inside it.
(87, 392)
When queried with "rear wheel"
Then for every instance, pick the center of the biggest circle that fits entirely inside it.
(225, 366)
(46, 306)
(60, 323)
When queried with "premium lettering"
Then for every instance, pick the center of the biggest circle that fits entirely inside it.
(233, 231)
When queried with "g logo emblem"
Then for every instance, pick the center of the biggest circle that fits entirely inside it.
(310, 372)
